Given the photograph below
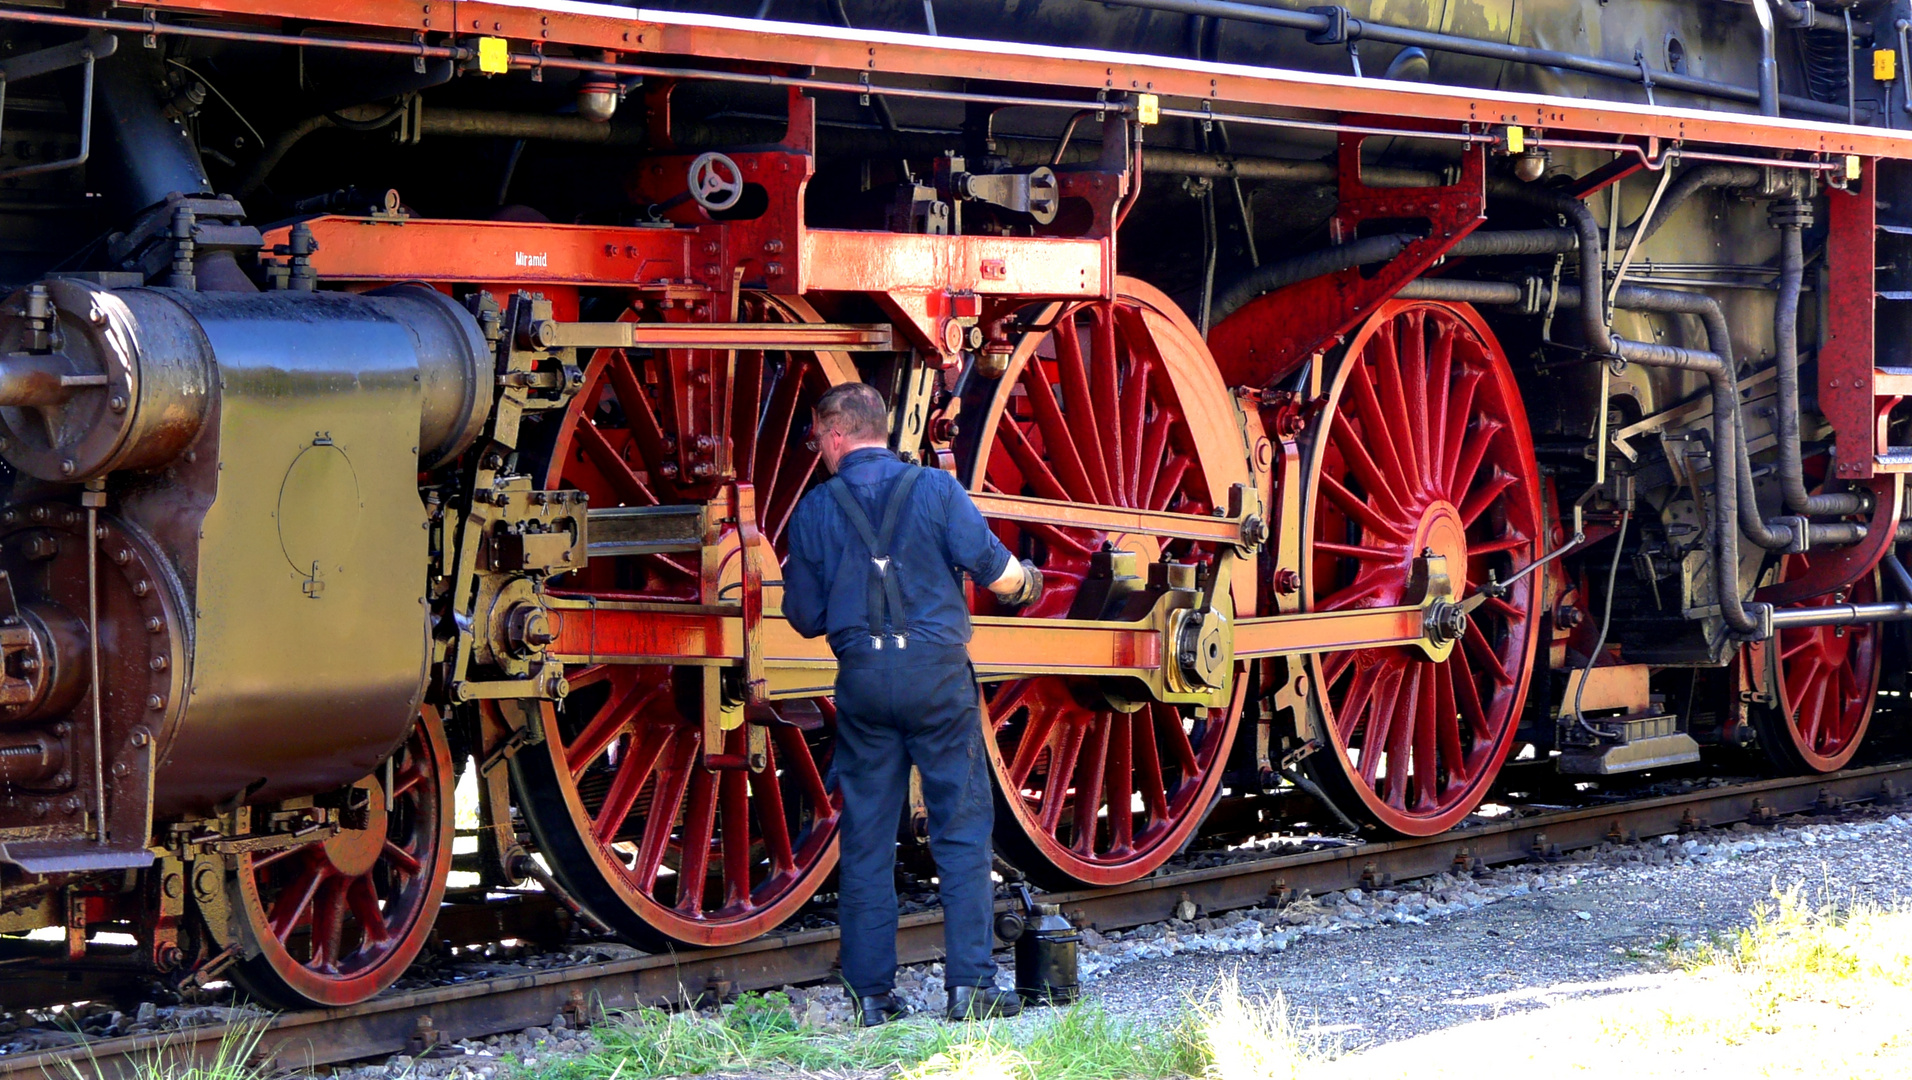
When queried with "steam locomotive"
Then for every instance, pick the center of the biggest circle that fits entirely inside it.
(396, 392)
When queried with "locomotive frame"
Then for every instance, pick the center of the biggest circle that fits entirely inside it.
(595, 536)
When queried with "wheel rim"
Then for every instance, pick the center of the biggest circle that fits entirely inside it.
(628, 741)
(1425, 446)
(1140, 419)
(336, 922)
(1826, 678)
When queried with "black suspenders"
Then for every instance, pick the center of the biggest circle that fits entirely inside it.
(887, 618)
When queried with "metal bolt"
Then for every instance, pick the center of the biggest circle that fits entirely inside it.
(1287, 580)
(155, 702)
(116, 403)
(157, 663)
(140, 736)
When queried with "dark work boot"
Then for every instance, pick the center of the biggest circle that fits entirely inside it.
(879, 1009)
(982, 1003)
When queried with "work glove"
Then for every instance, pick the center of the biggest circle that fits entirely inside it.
(1031, 590)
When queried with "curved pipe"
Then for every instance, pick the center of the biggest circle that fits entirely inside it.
(1792, 472)
(1743, 618)
(1373, 249)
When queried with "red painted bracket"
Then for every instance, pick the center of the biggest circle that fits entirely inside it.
(1271, 336)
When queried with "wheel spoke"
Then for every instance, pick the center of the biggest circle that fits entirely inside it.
(1062, 763)
(1472, 709)
(700, 821)
(1403, 734)
(1448, 728)
(1472, 452)
(1366, 408)
(612, 720)
(1381, 720)
(735, 811)
(366, 911)
(638, 414)
(1440, 371)
(1458, 422)
(328, 925)
(1426, 735)
(1387, 377)
(1090, 767)
(1169, 720)
(1362, 587)
(1029, 461)
(766, 794)
(1133, 428)
(1483, 496)
(1149, 460)
(295, 898)
(633, 769)
(772, 443)
(623, 480)
(1168, 481)
(1483, 653)
(403, 860)
(1056, 439)
(798, 758)
(1149, 765)
(1347, 715)
(1413, 359)
(1379, 486)
(1121, 782)
(1080, 405)
(1367, 517)
(668, 794)
(1108, 408)
(1355, 551)
(1035, 736)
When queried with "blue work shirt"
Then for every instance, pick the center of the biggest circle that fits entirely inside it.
(939, 536)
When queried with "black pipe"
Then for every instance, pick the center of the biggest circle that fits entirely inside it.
(144, 155)
(1362, 30)
(1792, 473)
(1374, 249)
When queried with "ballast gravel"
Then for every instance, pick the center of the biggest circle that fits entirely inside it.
(1366, 967)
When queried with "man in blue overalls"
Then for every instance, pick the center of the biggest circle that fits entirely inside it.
(876, 561)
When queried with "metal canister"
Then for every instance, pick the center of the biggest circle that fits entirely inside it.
(1046, 956)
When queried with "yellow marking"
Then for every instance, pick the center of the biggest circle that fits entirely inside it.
(494, 55)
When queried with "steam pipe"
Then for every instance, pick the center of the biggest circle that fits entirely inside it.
(1841, 614)
(1374, 249)
(1768, 65)
(1719, 376)
(1792, 473)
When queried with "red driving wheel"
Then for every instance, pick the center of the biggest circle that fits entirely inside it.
(1826, 679)
(1117, 404)
(1424, 448)
(660, 848)
(335, 922)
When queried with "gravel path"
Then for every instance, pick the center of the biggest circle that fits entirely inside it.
(1370, 969)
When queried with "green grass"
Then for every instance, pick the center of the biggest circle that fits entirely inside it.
(1224, 1037)
(235, 1058)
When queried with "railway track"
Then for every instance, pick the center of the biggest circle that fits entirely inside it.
(415, 1021)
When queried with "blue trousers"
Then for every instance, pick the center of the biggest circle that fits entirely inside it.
(888, 718)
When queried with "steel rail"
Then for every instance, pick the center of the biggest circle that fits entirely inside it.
(401, 1023)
